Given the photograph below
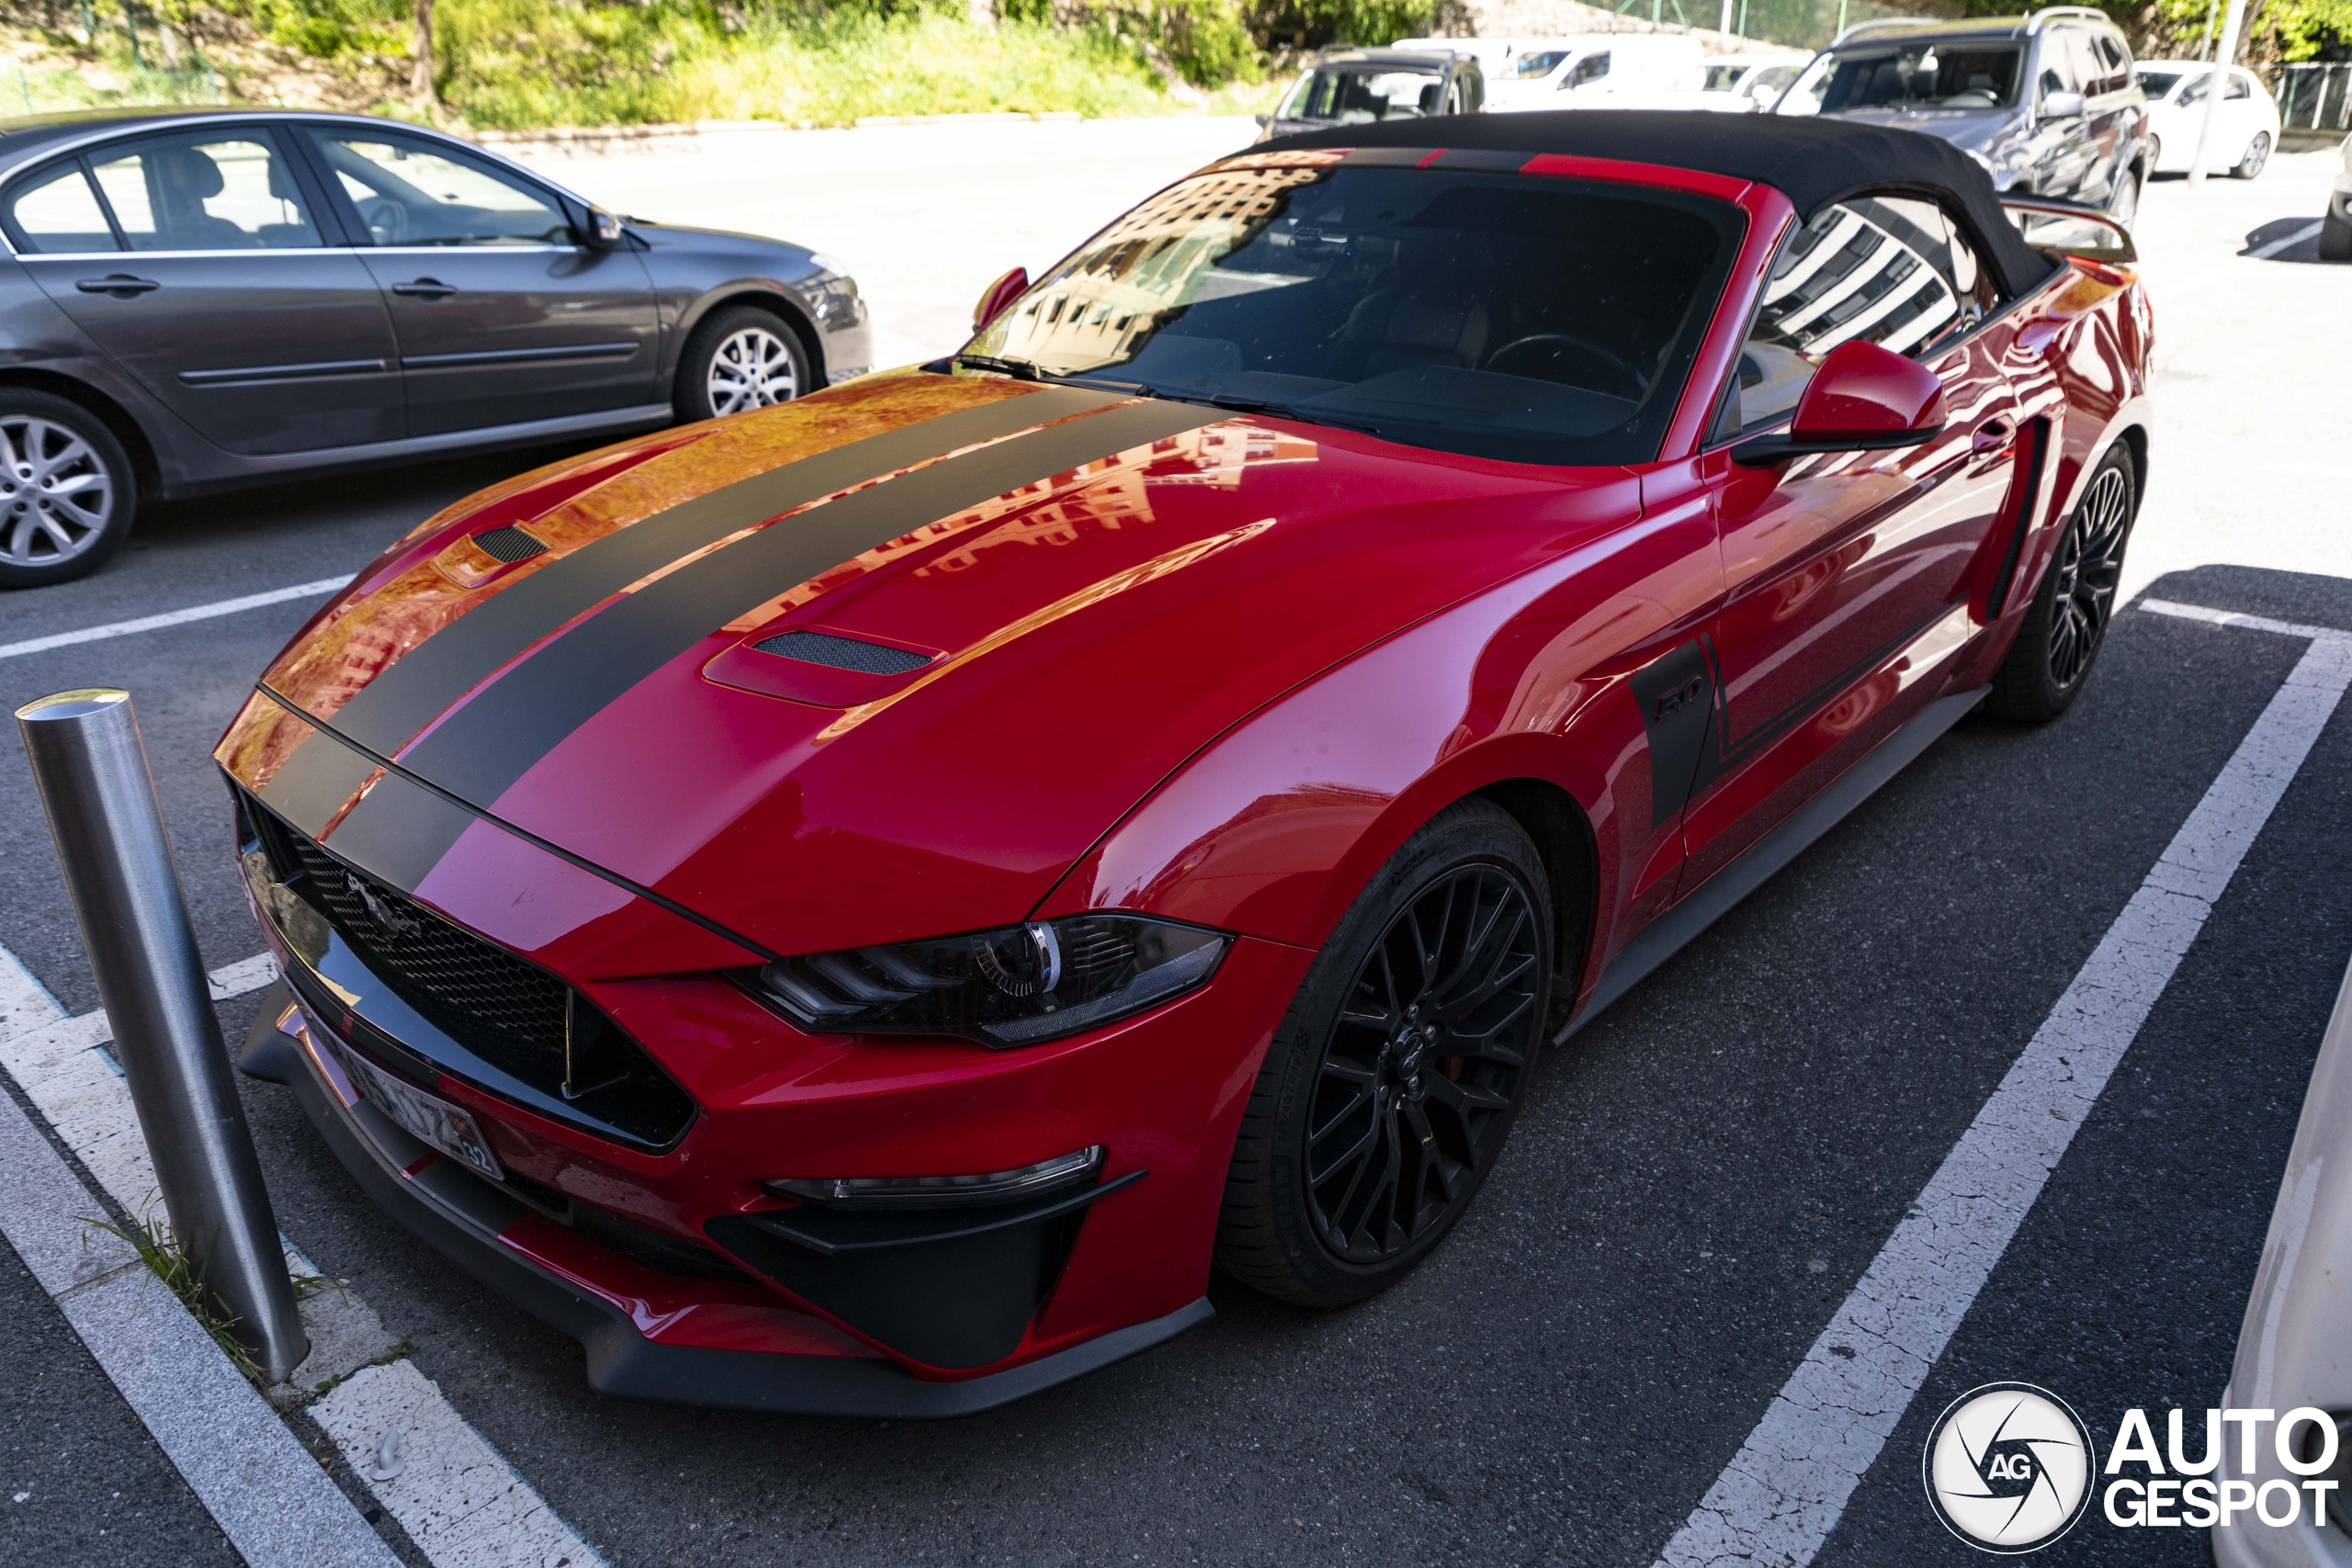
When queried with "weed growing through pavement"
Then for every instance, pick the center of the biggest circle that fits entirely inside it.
(159, 1247)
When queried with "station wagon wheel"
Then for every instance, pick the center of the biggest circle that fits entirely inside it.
(740, 358)
(66, 490)
(1394, 1080)
(2068, 623)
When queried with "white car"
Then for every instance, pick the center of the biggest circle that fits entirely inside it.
(1725, 84)
(1595, 71)
(2336, 229)
(2244, 134)
(2295, 1345)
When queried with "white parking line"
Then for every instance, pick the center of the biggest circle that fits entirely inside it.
(170, 618)
(2312, 470)
(461, 1503)
(1777, 1500)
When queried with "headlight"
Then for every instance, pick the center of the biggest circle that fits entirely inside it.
(1013, 986)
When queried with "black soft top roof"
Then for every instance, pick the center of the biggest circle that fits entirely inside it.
(1812, 162)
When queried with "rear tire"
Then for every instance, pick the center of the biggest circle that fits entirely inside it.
(2123, 205)
(740, 357)
(2334, 239)
(1392, 1080)
(2257, 158)
(67, 490)
(2064, 631)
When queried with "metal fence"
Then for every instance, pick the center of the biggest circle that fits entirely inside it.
(1802, 24)
(2315, 97)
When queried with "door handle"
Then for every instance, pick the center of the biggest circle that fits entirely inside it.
(1994, 438)
(426, 288)
(122, 286)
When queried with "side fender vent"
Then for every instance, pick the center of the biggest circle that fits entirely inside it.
(842, 653)
(509, 544)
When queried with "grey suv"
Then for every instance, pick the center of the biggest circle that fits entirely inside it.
(2047, 102)
(196, 300)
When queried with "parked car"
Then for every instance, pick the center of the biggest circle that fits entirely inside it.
(1140, 794)
(2047, 103)
(2294, 1347)
(2246, 128)
(1725, 84)
(194, 299)
(1366, 86)
(2335, 225)
(1596, 71)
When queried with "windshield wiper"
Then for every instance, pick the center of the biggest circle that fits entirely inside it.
(1284, 411)
(1021, 370)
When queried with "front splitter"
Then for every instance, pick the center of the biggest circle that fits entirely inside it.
(461, 1215)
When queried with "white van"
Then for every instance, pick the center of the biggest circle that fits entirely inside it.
(1590, 71)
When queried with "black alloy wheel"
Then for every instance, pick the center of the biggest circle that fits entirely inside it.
(2067, 624)
(1393, 1081)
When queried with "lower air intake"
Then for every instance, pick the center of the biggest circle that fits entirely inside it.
(842, 653)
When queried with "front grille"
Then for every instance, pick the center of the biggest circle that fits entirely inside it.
(509, 544)
(514, 1016)
(842, 653)
(452, 977)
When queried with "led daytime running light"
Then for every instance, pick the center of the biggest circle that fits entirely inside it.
(995, 1185)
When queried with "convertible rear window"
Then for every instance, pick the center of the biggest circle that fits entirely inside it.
(1500, 315)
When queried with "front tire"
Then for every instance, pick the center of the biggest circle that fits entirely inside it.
(2064, 631)
(2123, 206)
(67, 492)
(2258, 157)
(740, 357)
(1394, 1078)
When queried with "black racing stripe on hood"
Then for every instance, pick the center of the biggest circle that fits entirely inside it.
(414, 689)
(316, 782)
(497, 737)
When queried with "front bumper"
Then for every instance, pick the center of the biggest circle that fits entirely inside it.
(628, 1317)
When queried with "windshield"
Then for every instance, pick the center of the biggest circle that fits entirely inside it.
(1357, 95)
(1511, 316)
(2156, 84)
(1539, 64)
(1927, 75)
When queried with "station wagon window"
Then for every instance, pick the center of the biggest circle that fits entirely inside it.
(413, 192)
(203, 192)
(57, 213)
(1895, 271)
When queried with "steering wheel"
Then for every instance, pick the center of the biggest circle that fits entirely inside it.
(387, 219)
(1550, 356)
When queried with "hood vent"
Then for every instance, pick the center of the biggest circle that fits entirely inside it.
(842, 653)
(509, 544)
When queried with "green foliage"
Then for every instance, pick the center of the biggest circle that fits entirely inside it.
(159, 1247)
(330, 30)
(1317, 22)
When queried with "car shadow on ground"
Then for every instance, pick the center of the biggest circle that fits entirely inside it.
(2302, 237)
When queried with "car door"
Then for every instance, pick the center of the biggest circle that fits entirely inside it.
(198, 261)
(502, 314)
(1846, 576)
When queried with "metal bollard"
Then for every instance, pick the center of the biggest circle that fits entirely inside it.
(91, 768)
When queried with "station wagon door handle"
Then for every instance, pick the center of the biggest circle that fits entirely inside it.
(122, 286)
(426, 288)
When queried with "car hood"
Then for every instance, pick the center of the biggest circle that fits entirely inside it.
(883, 663)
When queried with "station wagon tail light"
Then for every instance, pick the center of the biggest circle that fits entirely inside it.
(1012, 985)
(926, 1192)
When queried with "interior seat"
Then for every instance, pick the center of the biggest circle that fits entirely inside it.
(183, 180)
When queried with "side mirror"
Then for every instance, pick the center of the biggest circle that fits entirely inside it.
(2071, 230)
(1263, 120)
(2060, 105)
(604, 230)
(1863, 399)
(998, 295)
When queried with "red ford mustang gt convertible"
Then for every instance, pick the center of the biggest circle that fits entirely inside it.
(859, 907)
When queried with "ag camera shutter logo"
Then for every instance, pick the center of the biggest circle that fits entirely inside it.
(2007, 1468)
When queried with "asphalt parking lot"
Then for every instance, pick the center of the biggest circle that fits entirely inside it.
(1699, 1178)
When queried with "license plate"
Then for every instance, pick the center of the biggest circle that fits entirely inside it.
(427, 1117)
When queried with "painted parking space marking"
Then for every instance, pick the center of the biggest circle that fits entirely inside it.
(1777, 1500)
(458, 1500)
(171, 617)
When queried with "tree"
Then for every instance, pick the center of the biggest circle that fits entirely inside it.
(420, 73)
